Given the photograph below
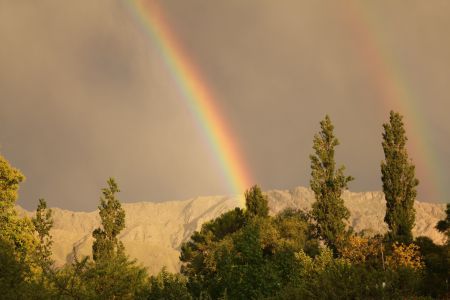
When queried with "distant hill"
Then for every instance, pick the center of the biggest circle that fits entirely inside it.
(154, 231)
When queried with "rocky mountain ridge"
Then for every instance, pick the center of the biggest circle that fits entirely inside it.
(155, 231)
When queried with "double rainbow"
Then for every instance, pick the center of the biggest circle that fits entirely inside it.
(196, 95)
(390, 82)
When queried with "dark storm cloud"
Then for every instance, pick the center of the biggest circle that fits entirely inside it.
(85, 95)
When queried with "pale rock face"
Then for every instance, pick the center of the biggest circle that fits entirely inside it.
(155, 231)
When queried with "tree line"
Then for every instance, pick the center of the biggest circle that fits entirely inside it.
(244, 253)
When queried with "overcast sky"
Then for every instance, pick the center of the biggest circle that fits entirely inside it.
(84, 94)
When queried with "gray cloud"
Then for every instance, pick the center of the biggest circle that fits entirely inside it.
(85, 95)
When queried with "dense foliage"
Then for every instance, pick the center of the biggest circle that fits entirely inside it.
(244, 253)
(17, 241)
(252, 261)
(444, 225)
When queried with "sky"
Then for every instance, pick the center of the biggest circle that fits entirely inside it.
(85, 94)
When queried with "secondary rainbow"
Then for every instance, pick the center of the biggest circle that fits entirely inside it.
(395, 92)
(195, 93)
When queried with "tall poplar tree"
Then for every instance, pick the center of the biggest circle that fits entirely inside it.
(399, 181)
(328, 183)
(43, 222)
(113, 275)
(106, 244)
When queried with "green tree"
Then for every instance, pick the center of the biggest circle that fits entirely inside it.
(328, 183)
(399, 181)
(14, 274)
(43, 223)
(17, 240)
(296, 231)
(245, 263)
(246, 258)
(256, 202)
(444, 225)
(168, 286)
(106, 244)
(326, 277)
(437, 267)
(70, 280)
(112, 275)
(14, 230)
(198, 253)
(115, 278)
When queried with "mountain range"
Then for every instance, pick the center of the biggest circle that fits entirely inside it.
(155, 231)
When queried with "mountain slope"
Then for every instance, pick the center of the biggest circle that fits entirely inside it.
(154, 231)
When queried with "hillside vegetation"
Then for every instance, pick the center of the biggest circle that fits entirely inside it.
(154, 232)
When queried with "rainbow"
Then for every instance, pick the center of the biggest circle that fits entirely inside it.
(396, 93)
(196, 95)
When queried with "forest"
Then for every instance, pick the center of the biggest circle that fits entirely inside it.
(244, 253)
